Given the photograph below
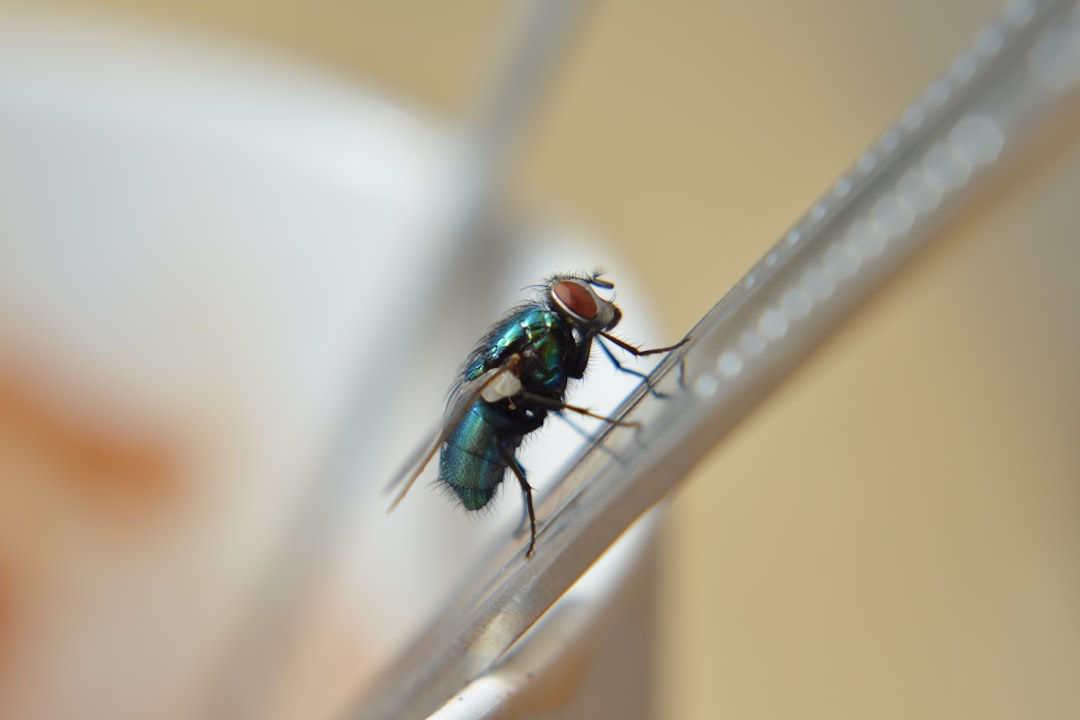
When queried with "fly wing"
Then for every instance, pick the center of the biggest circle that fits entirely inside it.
(461, 400)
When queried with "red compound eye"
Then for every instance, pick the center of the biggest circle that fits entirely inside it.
(576, 299)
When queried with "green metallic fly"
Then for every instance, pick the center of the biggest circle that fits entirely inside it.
(517, 374)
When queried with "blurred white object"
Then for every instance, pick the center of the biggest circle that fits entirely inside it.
(208, 259)
(188, 242)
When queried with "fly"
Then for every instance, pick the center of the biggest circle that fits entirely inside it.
(517, 374)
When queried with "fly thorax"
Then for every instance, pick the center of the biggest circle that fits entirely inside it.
(547, 362)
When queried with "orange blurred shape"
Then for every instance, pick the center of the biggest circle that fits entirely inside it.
(118, 477)
(63, 481)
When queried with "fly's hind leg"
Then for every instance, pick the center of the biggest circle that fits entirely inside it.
(526, 489)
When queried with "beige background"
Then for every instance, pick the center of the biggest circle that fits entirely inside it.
(895, 534)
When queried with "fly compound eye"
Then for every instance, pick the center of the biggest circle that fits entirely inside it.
(576, 299)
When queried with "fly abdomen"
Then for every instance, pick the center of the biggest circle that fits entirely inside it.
(471, 462)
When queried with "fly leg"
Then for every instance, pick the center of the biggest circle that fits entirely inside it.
(629, 371)
(558, 406)
(639, 352)
(586, 436)
(526, 489)
(636, 352)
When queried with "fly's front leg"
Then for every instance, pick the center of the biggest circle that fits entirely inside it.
(636, 352)
(639, 352)
(629, 371)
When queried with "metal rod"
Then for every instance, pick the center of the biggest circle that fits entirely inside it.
(1019, 70)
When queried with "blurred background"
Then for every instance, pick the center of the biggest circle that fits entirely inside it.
(896, 533)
